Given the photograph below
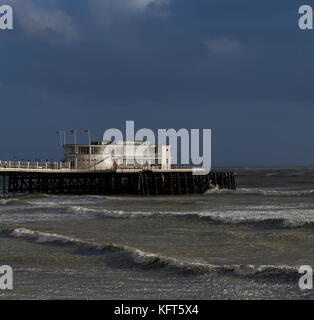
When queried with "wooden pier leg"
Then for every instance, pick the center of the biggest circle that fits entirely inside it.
(4, 182)
(162, 183)
(146, 184)
(193, 179)
(139, 184)
(233, 182)
(30, 184)
(171, 183)
(201, 183)
(179, 184)
(156, 185)
(14, 184)
(230, 181)
(208, 181)
(215, 179)
(186, 183)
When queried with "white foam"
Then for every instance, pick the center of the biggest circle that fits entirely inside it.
(41, 236)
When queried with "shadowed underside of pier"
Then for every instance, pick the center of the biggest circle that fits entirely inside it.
(143, 183)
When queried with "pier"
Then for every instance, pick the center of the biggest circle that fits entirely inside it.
(110, 168)
(58, 178)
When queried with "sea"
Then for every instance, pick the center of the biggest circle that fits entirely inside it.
(224, 244)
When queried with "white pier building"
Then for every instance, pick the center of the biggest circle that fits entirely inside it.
(117, 155)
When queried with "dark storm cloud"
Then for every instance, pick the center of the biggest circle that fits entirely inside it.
(212, 49)
(127, 58)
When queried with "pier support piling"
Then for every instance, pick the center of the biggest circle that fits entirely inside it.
(145, 183)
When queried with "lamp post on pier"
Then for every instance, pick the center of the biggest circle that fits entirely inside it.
(59, 132)
(88, 131)
(75, 146)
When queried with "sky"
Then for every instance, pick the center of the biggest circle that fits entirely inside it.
(241, 68)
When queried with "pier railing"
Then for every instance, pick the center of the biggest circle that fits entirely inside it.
(66, 166)
(35, 165)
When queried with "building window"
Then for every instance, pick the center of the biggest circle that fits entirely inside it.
(96, 150)
(83, 150)
(70, 150)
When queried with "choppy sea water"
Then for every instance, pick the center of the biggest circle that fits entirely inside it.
(243, 244)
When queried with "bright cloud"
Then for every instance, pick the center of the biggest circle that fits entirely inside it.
(53, 25)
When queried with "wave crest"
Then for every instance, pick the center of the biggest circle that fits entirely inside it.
(263, 192)
(271, 222)
(148, 260)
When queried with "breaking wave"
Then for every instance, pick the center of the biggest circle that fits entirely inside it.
(264, 192)
(148, 261)
(105, 213)
(278, 223)
(206, 216)
(14, 202)
(258, 222)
